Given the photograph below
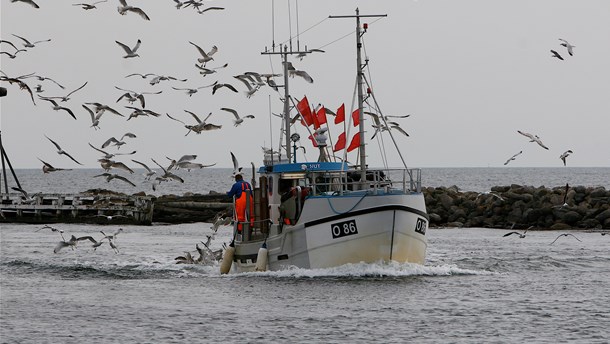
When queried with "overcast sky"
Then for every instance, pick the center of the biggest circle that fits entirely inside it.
(469, 73)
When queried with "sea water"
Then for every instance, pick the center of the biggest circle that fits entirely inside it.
(476, 285)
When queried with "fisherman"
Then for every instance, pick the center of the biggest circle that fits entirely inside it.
(238, 191)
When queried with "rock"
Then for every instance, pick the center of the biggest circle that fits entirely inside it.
(603, 216)
(560, 226)
(435, 218)
(455, 224)
(598, 192)
(571, 217)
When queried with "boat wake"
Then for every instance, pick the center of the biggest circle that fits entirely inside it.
(364, 270)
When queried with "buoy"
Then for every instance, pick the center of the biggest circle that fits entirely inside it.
(227, 259)
(261, 258)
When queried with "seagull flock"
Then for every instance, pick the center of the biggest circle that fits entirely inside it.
(131, 105)
(74, 240)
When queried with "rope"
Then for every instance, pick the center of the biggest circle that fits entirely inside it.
(347, 211)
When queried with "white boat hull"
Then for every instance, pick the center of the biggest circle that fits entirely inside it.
(338, 230)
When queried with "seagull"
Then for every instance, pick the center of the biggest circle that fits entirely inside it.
(565, 198)
(191, 165)
(218, 86)
(564, 234)
(533, 138)
(565, 155)
(183, 159)
(47, 168)
(205, 57)
(72, 242)
(556, 54)
(61, 151)
(101, 108)
(251, 89)
(29, 2)
(95, 119)
(67, 96)
(29, 44)
(167, 174)
(238, 120)
(110, 217)
(108, 164)
(27, 199)
(141, 112)
(210, 8)
(149, 173)
(160, 78)
(568, 46)
(144, 76)
(521, 235)
(124, 8)
(236, 168)
(191, 91)
(53, 229)
(300, 56)
(132, 96)
(22, 85)
(12, 56)
(89, 6)
(43, 78)
(56, 107)
(131, 52)
(303, 74)
(110, 177)
(116, 142)
(112, 236)
(512, 158)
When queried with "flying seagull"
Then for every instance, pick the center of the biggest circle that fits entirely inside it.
(149, 173)
(61, 151)
(512, 158)
(191, 91)
(29, 44)
(47, 168)
(131, 52)
(533, 138)
(556, 54)
(110, 155)
(568, 46)
(238, 120)
(110, 177)
(564, 234)
(124, 8)
(89, 6)
(236, 167)
(521, 235)
(205, 57)
(218, 86)
(565, 155)
(29, 2)
(67, 96)
(132, 96)
(56, 107)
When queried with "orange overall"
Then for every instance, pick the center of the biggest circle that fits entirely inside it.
(240, 205)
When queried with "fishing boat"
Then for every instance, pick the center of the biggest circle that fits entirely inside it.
(327, 213)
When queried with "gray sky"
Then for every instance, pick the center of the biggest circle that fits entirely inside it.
(470, 74)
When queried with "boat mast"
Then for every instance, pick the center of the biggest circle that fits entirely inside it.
(360, 81)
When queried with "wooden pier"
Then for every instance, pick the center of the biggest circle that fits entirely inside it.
(101, 208)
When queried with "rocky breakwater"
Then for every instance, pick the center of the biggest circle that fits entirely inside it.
(191, 207)
(520, 207)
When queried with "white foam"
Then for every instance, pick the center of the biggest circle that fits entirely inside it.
(392, 269)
